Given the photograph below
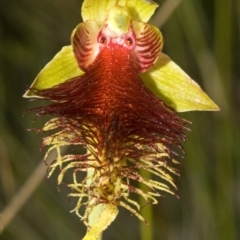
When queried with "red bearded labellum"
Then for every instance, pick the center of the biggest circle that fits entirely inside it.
(111, 98)
(110, 112)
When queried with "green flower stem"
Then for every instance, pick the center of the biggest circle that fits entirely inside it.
(93, 216)
(106, 215)
(146, 211)
(100, 217)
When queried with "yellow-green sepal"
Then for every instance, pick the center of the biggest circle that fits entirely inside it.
(61, 68)
(171, 84)
(140, 10)
(97, 10)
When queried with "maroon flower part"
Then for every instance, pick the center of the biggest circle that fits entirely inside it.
(124, 127)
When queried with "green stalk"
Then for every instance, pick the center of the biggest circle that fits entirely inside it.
(146, 231)
(93, 216)
(102, 221)
(101, 216)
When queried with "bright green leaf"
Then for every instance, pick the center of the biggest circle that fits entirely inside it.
(61, 68)
(171, 84)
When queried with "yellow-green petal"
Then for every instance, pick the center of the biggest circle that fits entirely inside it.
(140, 10)
(97, 10)
(172, 85)
(61, 68)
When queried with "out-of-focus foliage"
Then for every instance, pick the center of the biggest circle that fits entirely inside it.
(203, 38)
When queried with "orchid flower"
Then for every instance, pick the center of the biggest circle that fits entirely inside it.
(115, 94)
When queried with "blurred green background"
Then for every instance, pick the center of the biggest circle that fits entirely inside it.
(202, 37)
